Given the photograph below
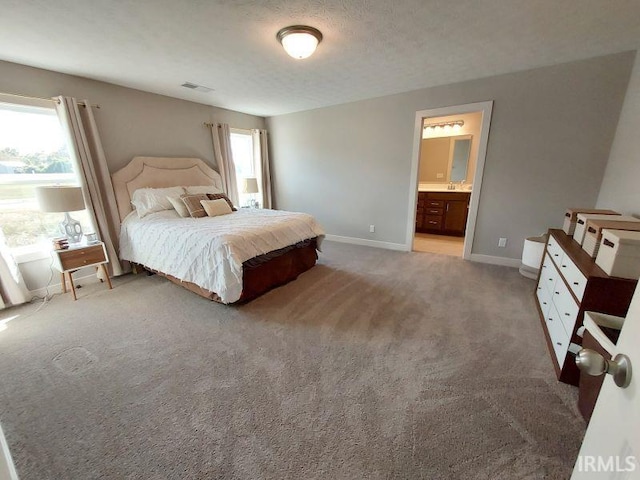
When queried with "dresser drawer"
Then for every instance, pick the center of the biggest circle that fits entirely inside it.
(544, 299)
(555, 250)
(558, 335)
(566, 306)
(574, 277)
(71, 259)
(549, 275)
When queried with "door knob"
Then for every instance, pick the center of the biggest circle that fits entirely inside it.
(592, 363)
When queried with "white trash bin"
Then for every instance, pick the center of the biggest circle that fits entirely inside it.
(532, 256)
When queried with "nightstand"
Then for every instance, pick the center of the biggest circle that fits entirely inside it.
(72, 259)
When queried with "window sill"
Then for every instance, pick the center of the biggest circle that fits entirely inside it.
(31, 253)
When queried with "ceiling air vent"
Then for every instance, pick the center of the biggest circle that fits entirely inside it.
(196, 87)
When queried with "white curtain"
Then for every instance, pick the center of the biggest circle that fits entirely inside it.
(13, 290)
(261, 162)
(91, 165)
(221, 136)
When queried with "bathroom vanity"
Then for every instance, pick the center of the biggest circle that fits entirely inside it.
(442, 212)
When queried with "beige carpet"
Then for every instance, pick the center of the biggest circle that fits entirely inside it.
(374, 364)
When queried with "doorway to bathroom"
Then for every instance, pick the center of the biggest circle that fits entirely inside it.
(449, 154)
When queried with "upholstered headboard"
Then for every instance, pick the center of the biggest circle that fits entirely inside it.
(160, 172)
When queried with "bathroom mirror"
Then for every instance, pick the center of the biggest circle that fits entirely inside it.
(445, 159)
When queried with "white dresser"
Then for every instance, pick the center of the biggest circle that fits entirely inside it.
(569, 284)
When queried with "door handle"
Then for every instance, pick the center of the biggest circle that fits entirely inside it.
(592, 363)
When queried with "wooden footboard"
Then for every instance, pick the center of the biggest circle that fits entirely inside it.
(266, 272)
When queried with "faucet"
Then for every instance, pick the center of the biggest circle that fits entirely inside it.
(451, 186)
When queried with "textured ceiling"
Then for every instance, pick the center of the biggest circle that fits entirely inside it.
(370, 48)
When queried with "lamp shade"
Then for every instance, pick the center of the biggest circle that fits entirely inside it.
(60, 199)
(250, 185)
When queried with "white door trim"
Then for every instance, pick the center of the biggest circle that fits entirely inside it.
(486, 108)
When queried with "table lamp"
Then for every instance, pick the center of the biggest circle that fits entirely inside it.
(63, 199)
(250, 186)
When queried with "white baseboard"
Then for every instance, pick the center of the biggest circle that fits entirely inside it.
(367, 243)
(7, 469)
(57, 287)
(503, 261)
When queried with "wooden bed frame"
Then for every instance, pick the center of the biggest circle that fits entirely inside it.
(260, 274)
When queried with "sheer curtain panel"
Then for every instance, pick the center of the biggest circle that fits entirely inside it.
(13, 290)
(86, 150)
(221, 136)
(261, 161)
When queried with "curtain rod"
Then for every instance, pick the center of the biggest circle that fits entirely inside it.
(43, 98)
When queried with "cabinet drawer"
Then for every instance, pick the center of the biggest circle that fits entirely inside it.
(544, 299)
(434, 211)
(558, 335)
(432, 222)
(434, 203)
(549, 275)
(574, 277)
(555, 250)
(71, 259)
(566, 306)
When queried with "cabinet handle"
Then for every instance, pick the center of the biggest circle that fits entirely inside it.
(558, 343)
(567, 314)
(447, 207)
(557, 293)
(576, 283)
(550, 319)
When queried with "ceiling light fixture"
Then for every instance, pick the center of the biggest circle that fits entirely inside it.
(299, 41)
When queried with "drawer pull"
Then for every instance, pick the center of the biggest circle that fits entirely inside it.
(567, 314)
(559, 344)
(550, 319)
(592, 230)
(581, 222)
(564, 266)
(608, 243)
(576, 283)
(557, 293)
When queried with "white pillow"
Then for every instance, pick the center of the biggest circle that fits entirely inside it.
(180, 207)
(203, 189)
(150, 200)
(216, 207)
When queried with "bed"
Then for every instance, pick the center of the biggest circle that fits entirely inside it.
(230, 258)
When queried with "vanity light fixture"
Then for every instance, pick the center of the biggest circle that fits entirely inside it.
(299, 41)
(455, 124)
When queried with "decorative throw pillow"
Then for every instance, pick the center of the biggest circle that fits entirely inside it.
(203, 189)
(216, 207)
(179, 205)
(218, 196)
(192, 202)
(150, 200)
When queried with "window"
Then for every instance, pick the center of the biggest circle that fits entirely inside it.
(33, 152)
(242, 148)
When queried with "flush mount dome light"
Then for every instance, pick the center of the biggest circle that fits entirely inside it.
(299, 41)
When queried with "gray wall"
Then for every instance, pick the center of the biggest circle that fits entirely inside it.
(551, 133)
(621, 184)
(131, 122)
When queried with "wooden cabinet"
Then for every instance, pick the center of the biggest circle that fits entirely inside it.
(442, 213)
(569, 284)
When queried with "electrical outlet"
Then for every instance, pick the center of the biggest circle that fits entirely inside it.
(439, 175)
(372, 228)
(502, 242)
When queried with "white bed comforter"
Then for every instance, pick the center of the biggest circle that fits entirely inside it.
(210, 251)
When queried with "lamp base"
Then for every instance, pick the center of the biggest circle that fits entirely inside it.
(71, 229)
